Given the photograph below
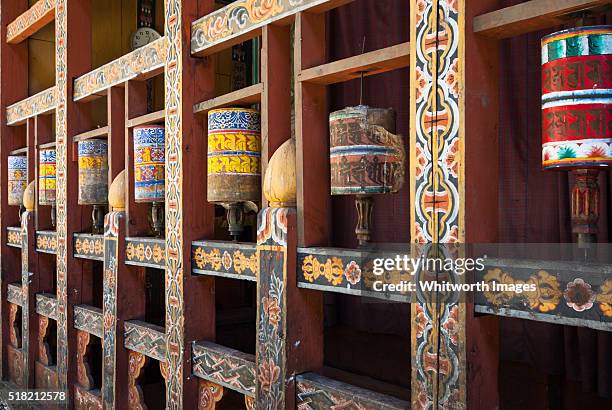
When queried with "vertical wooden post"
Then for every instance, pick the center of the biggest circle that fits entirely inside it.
(116, 131)
(186, 296)
(72, 27)
(14, 77)
(311, 124)
(29, 286)
(135, 106)
(455, 199)
(276, 98)
(289, 320)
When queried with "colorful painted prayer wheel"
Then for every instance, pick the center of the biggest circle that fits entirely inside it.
(46, 177)
(17, 179)
(234, 151)
(93, 172)
(149, 164)
(366, 158)
(577, 116)
(577, 98)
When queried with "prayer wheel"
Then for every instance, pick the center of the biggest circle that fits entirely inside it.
(93, 172)
(17, 179)
(577, 115)
(366, 158)
(149, 171)
(149, 164)
(46, 177)
(234, 151)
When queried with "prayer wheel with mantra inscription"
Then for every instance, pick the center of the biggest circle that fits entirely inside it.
(577, 115)
(234, 151)
(17, 179)
(366, 158)
(149, 164)
(46, 177)
(93, 172)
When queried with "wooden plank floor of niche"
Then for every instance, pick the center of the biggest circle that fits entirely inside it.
(156, 117)
(245, 96)
(98, 132)
(531, 16)
(374, 62)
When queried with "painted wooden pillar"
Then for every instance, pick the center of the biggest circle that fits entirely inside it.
(190, 303)
(289, 320)
(29, 287)
(14, 77)
(72, 58)
(453, 189)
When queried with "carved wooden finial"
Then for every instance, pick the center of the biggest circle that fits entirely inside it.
(29, 196)
(116, 193)
(280, 181)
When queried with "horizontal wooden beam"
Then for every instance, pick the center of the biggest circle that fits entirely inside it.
(319, 392)
(29, 22)
(38, 104)
(157, 117)
(88, 246)
(88, 319)
(230, 368)
(14, 294)
(374, 62)
(96, 133)
(145, 338)
(46, 242)
(13, 236)
(147, 252)
(51, 144)
(19, 151)
(242, 20)
(531, 16)
(226, 259)
(46, 305)
(140, 64)
(245, 96)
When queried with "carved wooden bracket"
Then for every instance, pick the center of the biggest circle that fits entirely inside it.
(14, 329)
(83, 372)
(44, 352)
(249, 402)
(209, 395)
(135, 364)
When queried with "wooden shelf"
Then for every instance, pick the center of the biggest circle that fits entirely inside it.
(374, 62)
(32, 20)
(531, 16)
(157, 117)
(245, 96)
(51, 144)
(98, 132)
(19, 151)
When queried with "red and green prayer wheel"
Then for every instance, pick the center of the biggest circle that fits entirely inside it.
(577, 98)
(577, 116)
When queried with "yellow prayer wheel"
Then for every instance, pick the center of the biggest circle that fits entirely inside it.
(46, 177)
(93, 172)
(234, 151)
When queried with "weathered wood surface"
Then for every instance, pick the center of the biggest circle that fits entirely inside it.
(227, 367)
(531, 16)
(46, 305)
(88, 319)
(317, 393)
(145, 338)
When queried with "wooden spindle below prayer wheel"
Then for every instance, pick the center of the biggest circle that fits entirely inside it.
(576, 116)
